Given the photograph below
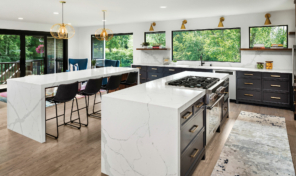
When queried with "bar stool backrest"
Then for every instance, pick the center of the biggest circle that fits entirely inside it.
(93, 86)
(113, 82)
(132, 78)
(66, 92)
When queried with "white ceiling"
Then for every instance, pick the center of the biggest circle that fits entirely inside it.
(89, 12)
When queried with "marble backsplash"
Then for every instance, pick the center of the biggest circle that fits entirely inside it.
(249, 59)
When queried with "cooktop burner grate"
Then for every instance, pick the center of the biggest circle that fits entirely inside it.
(195, 82)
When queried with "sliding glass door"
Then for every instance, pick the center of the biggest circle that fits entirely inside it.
(55, 55)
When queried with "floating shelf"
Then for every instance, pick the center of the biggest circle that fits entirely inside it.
(267, 49)
(152, 49)
(291, 33)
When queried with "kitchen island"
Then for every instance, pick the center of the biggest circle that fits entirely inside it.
(26, 98)
(141, 128)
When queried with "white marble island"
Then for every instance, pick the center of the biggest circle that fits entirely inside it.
(141, 127)
(26, 98)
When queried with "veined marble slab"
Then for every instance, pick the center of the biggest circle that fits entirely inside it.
(141, 127)
(26, 98)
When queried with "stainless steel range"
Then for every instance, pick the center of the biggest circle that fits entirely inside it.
(216, 99)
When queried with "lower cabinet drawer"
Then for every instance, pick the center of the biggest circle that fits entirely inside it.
(249, 83)
(197, 105)
(276, 75)
(191, 154)
(154, 75)
(143, 74)
(186, 115)
(276, 85)
(191, 128)
(269, 97)
(248, 95)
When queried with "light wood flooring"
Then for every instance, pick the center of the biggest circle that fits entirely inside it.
(77, 152)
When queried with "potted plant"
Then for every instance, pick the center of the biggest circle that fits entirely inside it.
(93, 63)
(145, 44)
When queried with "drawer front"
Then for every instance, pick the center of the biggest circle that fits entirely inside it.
(249, 83)
(275, 75)
(254, 75)
(191, 154)
(143, 74)
(197, 105)
(277, 98)
(186, 115)
(154, 75)
(248, 95)
(276, 85)
(170, 70)
(142, 68)
(190, 129)
(155, 69)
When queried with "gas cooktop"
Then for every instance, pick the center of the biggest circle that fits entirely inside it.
(195, 82)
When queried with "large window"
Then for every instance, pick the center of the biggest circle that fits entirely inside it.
(155, 38)
(269, 35)
(221, 45)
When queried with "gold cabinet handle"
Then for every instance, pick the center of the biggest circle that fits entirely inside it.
(187, 115)
(278, 98)
(153, 68)
(275, 85)
(171, 69)
(193, 129)
(249, 83)
(276, 76)
(250, 95)
(248, 74)
(140, 74)
(195, 152)
(139, 67)
(154, 75)
(199, 105)
(294, 102)
(294, 90)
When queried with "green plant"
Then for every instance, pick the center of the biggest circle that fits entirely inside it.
(93, 62)
(145, 44)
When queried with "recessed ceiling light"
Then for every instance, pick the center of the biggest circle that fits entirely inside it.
(56, 13)
(163, 7)
(20, 18)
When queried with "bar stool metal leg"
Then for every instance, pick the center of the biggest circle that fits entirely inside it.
(57, 122)
(72, 121)
(95, 114)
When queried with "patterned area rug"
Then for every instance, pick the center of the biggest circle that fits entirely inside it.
(257, 145)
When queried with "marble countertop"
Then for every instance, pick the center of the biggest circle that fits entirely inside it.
(50, 80)
(158, 94)
(223, 68)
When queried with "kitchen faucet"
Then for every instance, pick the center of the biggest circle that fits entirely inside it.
(201, 63)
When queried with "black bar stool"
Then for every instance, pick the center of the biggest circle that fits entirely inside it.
(93, 86)
(65, 93)
(113, 83)
(132, 79)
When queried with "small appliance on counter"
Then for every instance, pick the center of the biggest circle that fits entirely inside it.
(268, 64)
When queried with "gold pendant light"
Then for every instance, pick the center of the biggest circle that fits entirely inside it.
(267, 21)
(62, 31)
(103, 33)
(151, 27)
(183, 24)
(220, 23)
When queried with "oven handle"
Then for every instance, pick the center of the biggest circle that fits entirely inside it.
(211, 107)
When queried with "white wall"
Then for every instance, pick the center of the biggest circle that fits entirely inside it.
(282, 60)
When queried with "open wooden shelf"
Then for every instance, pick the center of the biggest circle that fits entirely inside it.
(152, 49)
(291, 33)
(266, 49)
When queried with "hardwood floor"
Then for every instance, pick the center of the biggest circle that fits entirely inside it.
(77, 152)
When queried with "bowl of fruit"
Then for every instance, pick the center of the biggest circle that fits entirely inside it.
(260, 65)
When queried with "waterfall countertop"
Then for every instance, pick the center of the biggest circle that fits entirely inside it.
(251, 69)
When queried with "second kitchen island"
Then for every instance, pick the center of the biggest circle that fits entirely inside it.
(154, 129)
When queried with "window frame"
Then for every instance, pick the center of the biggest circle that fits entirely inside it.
(207, 30)
(154, 32)
(93, 37)
(268, 26)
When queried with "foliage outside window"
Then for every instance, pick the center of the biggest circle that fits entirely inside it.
(268, 35)
(155, 38)
(120, 47)
(97, 48)
(221, 45)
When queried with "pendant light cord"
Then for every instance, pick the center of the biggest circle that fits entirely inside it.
(104, 20)
(63, 13)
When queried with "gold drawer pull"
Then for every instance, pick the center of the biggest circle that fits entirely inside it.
(153, 68)
(139, 67)
(187, 115)
(195, 152)
(250, 95)
(249, 83)
(294, 90)
(275, 85)
(248, 74)
(193, 129)
(140, 74)
(276, 76)
(278, 98)
(154, 75)
(171, 69)
(294, 102)
(199, 105)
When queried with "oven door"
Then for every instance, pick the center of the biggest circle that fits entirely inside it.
(214, 114)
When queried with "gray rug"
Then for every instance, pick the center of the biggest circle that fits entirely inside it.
(257, 145)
